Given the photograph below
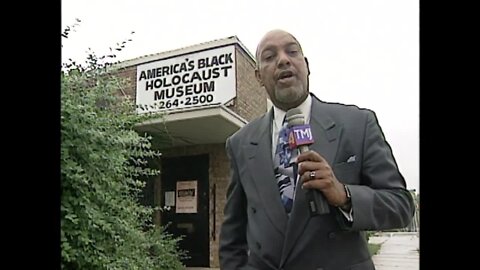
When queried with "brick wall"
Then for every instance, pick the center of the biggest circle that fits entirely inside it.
(129, 73)
(251, 100)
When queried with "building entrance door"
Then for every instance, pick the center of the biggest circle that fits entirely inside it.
(185, 188)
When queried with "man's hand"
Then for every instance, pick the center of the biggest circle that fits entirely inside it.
(315, 172)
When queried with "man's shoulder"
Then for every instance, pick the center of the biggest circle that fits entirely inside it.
(343, 113)
(343, 107)
(253, 125)
(252, 128)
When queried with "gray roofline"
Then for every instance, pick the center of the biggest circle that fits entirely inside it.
(233, 40)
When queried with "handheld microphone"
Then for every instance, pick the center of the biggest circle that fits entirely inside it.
(300, 136)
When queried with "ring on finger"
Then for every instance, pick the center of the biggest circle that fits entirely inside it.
(312, 175)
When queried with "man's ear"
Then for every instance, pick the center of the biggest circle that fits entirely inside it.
(308, 68)
(259, 77)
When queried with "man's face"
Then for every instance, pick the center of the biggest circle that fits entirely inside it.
(282, 69)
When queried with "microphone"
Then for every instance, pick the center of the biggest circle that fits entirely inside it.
(300, 136)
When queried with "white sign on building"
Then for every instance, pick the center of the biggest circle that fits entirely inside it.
(201, 78)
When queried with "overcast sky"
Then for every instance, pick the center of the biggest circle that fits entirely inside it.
(362, 52)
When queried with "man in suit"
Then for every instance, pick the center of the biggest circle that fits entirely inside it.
(350, 164)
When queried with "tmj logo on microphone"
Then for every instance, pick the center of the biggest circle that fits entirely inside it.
(300, 135)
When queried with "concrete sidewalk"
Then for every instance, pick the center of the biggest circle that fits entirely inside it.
(399, 251)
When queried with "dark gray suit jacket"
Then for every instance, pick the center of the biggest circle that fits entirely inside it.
(256, 232)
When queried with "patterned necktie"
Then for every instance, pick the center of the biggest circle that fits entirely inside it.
(285, 168)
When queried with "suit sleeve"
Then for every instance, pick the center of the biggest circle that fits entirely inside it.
(233, 244)
(382, 200)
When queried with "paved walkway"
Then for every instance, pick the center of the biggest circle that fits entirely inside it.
(399, 251)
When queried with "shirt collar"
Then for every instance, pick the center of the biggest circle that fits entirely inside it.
(279, 114)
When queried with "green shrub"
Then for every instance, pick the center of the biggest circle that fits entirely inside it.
(103, 225)
(373, 248)
(368, 234)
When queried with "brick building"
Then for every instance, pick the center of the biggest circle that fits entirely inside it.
(206, 92)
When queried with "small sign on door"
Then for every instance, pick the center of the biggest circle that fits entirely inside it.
(186, 197)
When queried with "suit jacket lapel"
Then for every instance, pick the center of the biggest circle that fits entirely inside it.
(325, 133)
(259, 154)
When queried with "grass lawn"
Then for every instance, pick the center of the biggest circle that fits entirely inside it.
(373, 248)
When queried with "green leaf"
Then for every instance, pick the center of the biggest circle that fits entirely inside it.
(103, 170)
